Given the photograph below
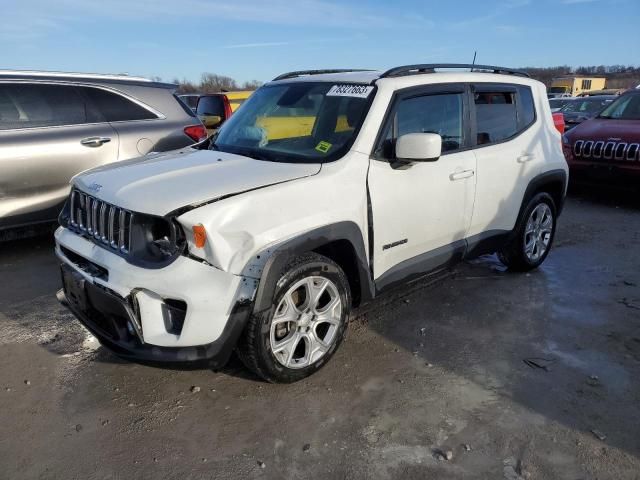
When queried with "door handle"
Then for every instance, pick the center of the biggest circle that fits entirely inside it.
(94, 141)
(526, 157)
(460, 175)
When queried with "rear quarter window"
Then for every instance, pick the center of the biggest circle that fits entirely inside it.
(116, 108)
(527, 110)
(187, 107)
(212, 105)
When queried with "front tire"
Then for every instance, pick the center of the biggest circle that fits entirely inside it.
(533, 235)
(305, 324)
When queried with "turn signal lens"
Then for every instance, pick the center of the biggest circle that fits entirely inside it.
(199, 235)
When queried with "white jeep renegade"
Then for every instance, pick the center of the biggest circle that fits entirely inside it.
(323, 190)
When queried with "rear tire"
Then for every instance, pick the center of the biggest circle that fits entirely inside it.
(533, 235)
(305, 324)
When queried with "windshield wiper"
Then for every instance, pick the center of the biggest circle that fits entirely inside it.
(255, 156)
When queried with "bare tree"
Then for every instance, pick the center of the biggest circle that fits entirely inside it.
(212, 82)
(185, 86)
(251, 85)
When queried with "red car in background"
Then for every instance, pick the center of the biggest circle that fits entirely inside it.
(607, 147)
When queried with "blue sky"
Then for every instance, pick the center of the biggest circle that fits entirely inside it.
(253, 39)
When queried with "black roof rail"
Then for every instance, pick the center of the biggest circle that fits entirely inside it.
(300, 73)
(431, 68)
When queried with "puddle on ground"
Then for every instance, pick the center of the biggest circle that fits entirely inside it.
(610, 375)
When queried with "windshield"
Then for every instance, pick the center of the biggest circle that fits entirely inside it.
(558, 102)
(626, 107)
(586, 105)
(558, 89)
(296, 122)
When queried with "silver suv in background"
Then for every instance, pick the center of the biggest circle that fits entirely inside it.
(56, 125)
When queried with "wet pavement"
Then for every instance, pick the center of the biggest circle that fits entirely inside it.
(512, 376)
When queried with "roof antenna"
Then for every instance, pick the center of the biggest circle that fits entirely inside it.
(475, 52)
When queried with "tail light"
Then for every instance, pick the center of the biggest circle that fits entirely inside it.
(227, 107)
(558, 121)
(197, 133)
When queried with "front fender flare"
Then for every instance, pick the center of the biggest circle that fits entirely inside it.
(276, 258)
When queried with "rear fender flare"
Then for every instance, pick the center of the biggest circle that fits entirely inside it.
(552, 176)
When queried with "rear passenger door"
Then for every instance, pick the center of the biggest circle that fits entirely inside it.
(508, 154)
(139, 127)
(48, 133)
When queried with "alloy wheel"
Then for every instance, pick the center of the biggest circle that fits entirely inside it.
(306, 322)
(537, 234)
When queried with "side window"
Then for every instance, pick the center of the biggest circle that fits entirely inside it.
(9, 113)
(439, 113)
(116, 108)
(24, 105)
(496, 116)
(210, 106)
(527, 111)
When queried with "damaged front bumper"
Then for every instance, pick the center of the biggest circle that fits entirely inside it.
(185, 312)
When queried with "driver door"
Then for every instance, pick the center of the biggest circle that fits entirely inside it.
(422, 210)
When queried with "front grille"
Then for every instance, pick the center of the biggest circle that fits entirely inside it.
(86, 265)
(601, 150)
(100, 221)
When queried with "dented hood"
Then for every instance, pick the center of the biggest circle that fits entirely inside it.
(161, 183)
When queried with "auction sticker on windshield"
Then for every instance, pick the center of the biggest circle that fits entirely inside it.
(360, 91)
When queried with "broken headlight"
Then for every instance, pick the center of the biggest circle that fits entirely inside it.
(155, 241)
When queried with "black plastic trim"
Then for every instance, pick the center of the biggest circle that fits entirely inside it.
(552, 176)
(300, 73)
(421, 265)
(431, 67)
(309, 241)
(486, 242)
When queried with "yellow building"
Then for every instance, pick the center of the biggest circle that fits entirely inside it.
(574, 86)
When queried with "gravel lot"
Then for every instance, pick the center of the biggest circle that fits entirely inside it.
(431, 382)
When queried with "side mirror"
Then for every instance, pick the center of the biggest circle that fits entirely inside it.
(419, 147)
(211, 121)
